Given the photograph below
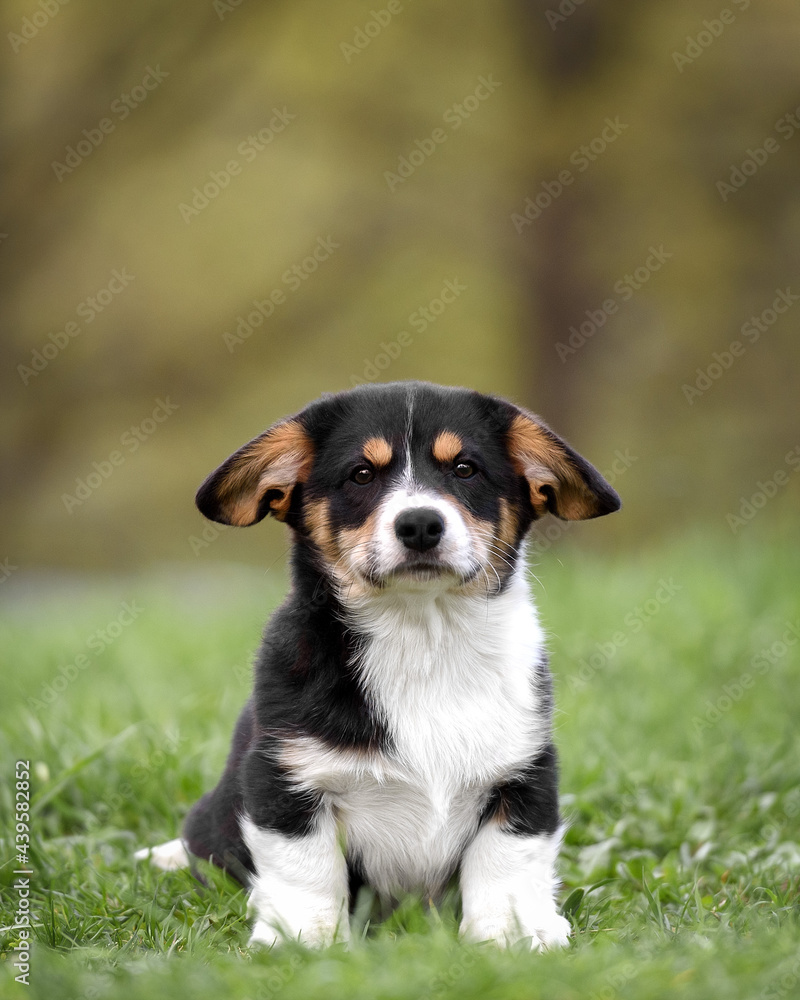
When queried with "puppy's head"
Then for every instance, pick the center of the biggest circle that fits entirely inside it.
(408, 485)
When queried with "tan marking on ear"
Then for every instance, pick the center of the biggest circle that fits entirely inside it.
(277, 460)
(378, 451)
(447, 446)
(538, 458)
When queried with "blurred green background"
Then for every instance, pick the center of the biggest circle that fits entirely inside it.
(628, 170)
(211, 213)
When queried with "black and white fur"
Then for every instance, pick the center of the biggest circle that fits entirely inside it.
(399, 731)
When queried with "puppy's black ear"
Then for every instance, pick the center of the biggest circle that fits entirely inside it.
(560, 480)
(259, 478)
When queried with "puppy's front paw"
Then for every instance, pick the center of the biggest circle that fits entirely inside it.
(263, 936)
(313, 927)
(312, 936)
(544, 929)
(551, 932)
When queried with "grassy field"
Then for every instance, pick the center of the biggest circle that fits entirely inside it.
(678, 689)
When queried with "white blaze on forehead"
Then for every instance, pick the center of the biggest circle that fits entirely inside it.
(408, 471)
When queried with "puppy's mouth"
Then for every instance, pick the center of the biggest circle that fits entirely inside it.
(422, 568)
(419, 570)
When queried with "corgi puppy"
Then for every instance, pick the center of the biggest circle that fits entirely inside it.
(399, 732)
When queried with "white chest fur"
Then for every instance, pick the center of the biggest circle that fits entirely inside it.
(452, 678)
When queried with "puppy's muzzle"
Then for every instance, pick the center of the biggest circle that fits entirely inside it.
(420, 528)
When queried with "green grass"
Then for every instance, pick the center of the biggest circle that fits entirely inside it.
(680, 867)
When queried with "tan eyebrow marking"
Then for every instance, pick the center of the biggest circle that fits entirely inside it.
(378, 451)
(447, 446)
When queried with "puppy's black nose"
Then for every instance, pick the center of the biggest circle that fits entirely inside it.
(419, 528)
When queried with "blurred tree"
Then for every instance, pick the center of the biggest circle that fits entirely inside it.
(364, 91)
(566, 49)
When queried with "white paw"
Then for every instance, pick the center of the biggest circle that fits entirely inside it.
(168, 857)
(263, 936)
(313, 935)
(551, 933)
(544, 929)
(313, 927)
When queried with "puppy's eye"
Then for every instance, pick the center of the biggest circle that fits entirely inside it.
(464, 470)
(362, 475)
